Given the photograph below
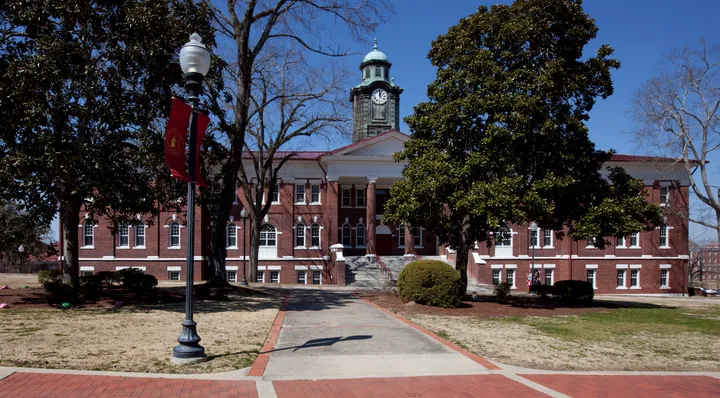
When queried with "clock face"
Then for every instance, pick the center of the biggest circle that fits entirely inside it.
(379, 96)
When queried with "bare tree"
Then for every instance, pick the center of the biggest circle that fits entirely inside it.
(258, 36)
(677, 113)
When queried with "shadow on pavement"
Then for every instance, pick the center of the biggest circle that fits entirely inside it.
(324, 342)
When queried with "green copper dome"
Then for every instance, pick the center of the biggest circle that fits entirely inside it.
(375, 55)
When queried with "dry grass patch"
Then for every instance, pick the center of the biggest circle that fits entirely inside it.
(654, 338)
(138, 339)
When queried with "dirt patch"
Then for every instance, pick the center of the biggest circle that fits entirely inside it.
(136, 338)
(488, 306)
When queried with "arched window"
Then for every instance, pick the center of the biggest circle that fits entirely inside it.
(139, 230)
(300, 235)
(88, 234)
(268, 235)
(315, 235)
(346, 235)
(360, 234)
(232, 235)
(123, 236)
(174, 234)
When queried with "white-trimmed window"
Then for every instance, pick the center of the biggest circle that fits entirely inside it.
(417, 237)
(401, 236)
(635, 278)
(664, 195)
(86, 273)
(549, 277)
(317, 278)
(260, 277)
(315, 194)
(503, 237)
(590, 277)
(346, 198)
(510, 277)
(274, 276)
(496, 276)
(635, 239)
(232, 276)
(300, 235)
(591, 242)
(360, 234)
(548, 238)
(346, 235)
(139, 230)
(621, 241)
(534, 238)
(300, 194)
(174, 275)
(315, 235)
(276, 193)
(621, 278)
(664, 240)
(268, 235)
(123, 235)
(664, 278)
(231, 236)
(301, 277)
(88, 229)
(360, 197)
(174, 234)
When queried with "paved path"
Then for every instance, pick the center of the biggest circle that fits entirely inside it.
(333, 334)
(333, 344)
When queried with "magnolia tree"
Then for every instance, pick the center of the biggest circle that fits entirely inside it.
(502, 137)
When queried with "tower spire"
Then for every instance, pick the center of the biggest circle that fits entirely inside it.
(375, 46)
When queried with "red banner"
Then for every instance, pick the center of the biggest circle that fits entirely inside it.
(175, 138)
(202, 123)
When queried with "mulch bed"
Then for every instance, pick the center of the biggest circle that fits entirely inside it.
(34, 297)
(488, 306)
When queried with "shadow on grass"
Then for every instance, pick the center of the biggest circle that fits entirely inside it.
(549, 303)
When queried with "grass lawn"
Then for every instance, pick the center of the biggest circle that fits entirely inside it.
(656, 334)
(136, 339)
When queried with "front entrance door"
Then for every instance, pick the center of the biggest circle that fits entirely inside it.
(383, 244)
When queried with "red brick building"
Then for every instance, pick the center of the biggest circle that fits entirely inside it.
(337, 197)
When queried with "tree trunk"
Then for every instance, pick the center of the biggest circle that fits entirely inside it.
(462, 255)
(255, 250)
(70, 213)
(217, 251)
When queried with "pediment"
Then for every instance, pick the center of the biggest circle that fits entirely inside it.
(384, 145)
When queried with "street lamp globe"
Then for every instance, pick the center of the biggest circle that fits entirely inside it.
(194, 56)
(243, 214)
(533, 226)
(21, 249)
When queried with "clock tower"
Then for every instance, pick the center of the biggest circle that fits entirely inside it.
(376, 100)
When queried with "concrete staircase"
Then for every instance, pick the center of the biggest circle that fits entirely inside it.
(365, 274)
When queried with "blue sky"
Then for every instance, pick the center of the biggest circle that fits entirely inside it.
(640, 31)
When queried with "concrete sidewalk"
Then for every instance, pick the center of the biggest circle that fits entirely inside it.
(334, 334)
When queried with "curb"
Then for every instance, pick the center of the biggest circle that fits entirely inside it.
(474, 357)
(258, 366)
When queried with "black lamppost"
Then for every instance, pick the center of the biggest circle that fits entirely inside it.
(243, 215)
(195, 63)
(533, 231)
(21, 250)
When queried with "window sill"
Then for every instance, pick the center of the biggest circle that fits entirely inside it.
(274, 203)
(634, 287)
(123, 247)
(347, 247)
(634, 247)
(665, 287)
(346, 207)
(139, 247)
(360, 207)
(663, 204)
(664, 247)
(174, 248)
(621, 288)
(419, 247)
(300, 247)
(300, 203)
(361, 247)
(401, 247)
(314, 248)
(315, 203)
(231, 248)
(87, 247)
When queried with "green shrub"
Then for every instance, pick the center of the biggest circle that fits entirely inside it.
(430, 282)
(106, 277)
(59, 292)
(48, 276)
(543, 290)
(135, 279)
(502, 291)
(91, 285)
(574, 292)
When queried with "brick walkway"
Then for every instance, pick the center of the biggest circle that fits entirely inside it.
(629, 386)
(50, 385)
